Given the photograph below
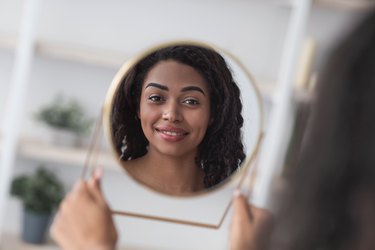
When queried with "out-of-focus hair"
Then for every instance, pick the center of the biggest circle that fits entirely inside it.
(337, 160)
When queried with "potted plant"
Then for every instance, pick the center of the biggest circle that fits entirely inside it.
(67, 118)
(40, 194)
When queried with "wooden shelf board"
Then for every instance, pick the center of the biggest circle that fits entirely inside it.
(64, 155)
(99, 57)
(300, 95)
(12, 240)
(70, 52)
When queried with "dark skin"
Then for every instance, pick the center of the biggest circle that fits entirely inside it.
(251, 227)
(174, 114)
(173, 98)
(84, 221)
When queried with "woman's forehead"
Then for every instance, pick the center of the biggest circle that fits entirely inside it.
(174, 74)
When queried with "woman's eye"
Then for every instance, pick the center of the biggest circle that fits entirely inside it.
(155, 98)
(191, 101)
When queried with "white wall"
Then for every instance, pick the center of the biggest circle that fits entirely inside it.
(129, 26)
(252, 30)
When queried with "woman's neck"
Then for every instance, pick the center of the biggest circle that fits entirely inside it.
(168, 174)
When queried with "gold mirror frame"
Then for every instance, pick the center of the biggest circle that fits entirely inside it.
(240, 174)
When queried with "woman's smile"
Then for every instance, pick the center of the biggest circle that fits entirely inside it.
(171, 134)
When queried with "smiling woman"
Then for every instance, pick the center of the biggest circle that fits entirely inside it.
(176, 120)
(174, 114)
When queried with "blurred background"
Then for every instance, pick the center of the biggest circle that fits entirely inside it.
(72, 50)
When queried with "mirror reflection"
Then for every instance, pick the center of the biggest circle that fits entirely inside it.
(176, 120)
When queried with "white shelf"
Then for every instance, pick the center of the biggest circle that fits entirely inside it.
(70, 52)
(300, 95)
(99, 57)
(70, 156)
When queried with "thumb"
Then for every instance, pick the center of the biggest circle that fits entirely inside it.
(241, 210)
(98, 174)
(95, 184)
(241, 226)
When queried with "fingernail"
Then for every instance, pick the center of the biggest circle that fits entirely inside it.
(237, 192)
(98, 173)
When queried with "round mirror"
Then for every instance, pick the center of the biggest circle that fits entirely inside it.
(183, 119)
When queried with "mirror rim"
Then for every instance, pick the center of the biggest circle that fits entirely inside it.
(117, 80)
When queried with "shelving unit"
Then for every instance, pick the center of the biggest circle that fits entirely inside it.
(112, 59)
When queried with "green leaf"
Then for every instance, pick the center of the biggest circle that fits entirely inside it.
(64, 114)
(39, 192)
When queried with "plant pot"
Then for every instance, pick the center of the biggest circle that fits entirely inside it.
(35, 226)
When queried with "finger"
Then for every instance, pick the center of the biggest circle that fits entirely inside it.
(58, 233)
(79, 193)
(241, 226)
(98, 174)
(79, 187)
(241, 208)
(64, 231)
(95, 185)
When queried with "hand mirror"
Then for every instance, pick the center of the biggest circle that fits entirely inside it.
(184, 120)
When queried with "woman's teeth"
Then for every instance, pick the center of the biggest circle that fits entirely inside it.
(171, 133)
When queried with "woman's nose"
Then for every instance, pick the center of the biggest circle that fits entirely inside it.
(172, 113)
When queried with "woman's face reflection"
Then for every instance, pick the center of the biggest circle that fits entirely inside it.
(174, 109)
(177, 118)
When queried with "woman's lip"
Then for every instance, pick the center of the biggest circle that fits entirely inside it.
(171, 134)
(172, 130)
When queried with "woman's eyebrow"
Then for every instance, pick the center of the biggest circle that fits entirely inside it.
(184, 89)
(192, 88)
(157, 85)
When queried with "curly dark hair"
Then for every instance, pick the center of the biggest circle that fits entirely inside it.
(221, 151)
(337, 163)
